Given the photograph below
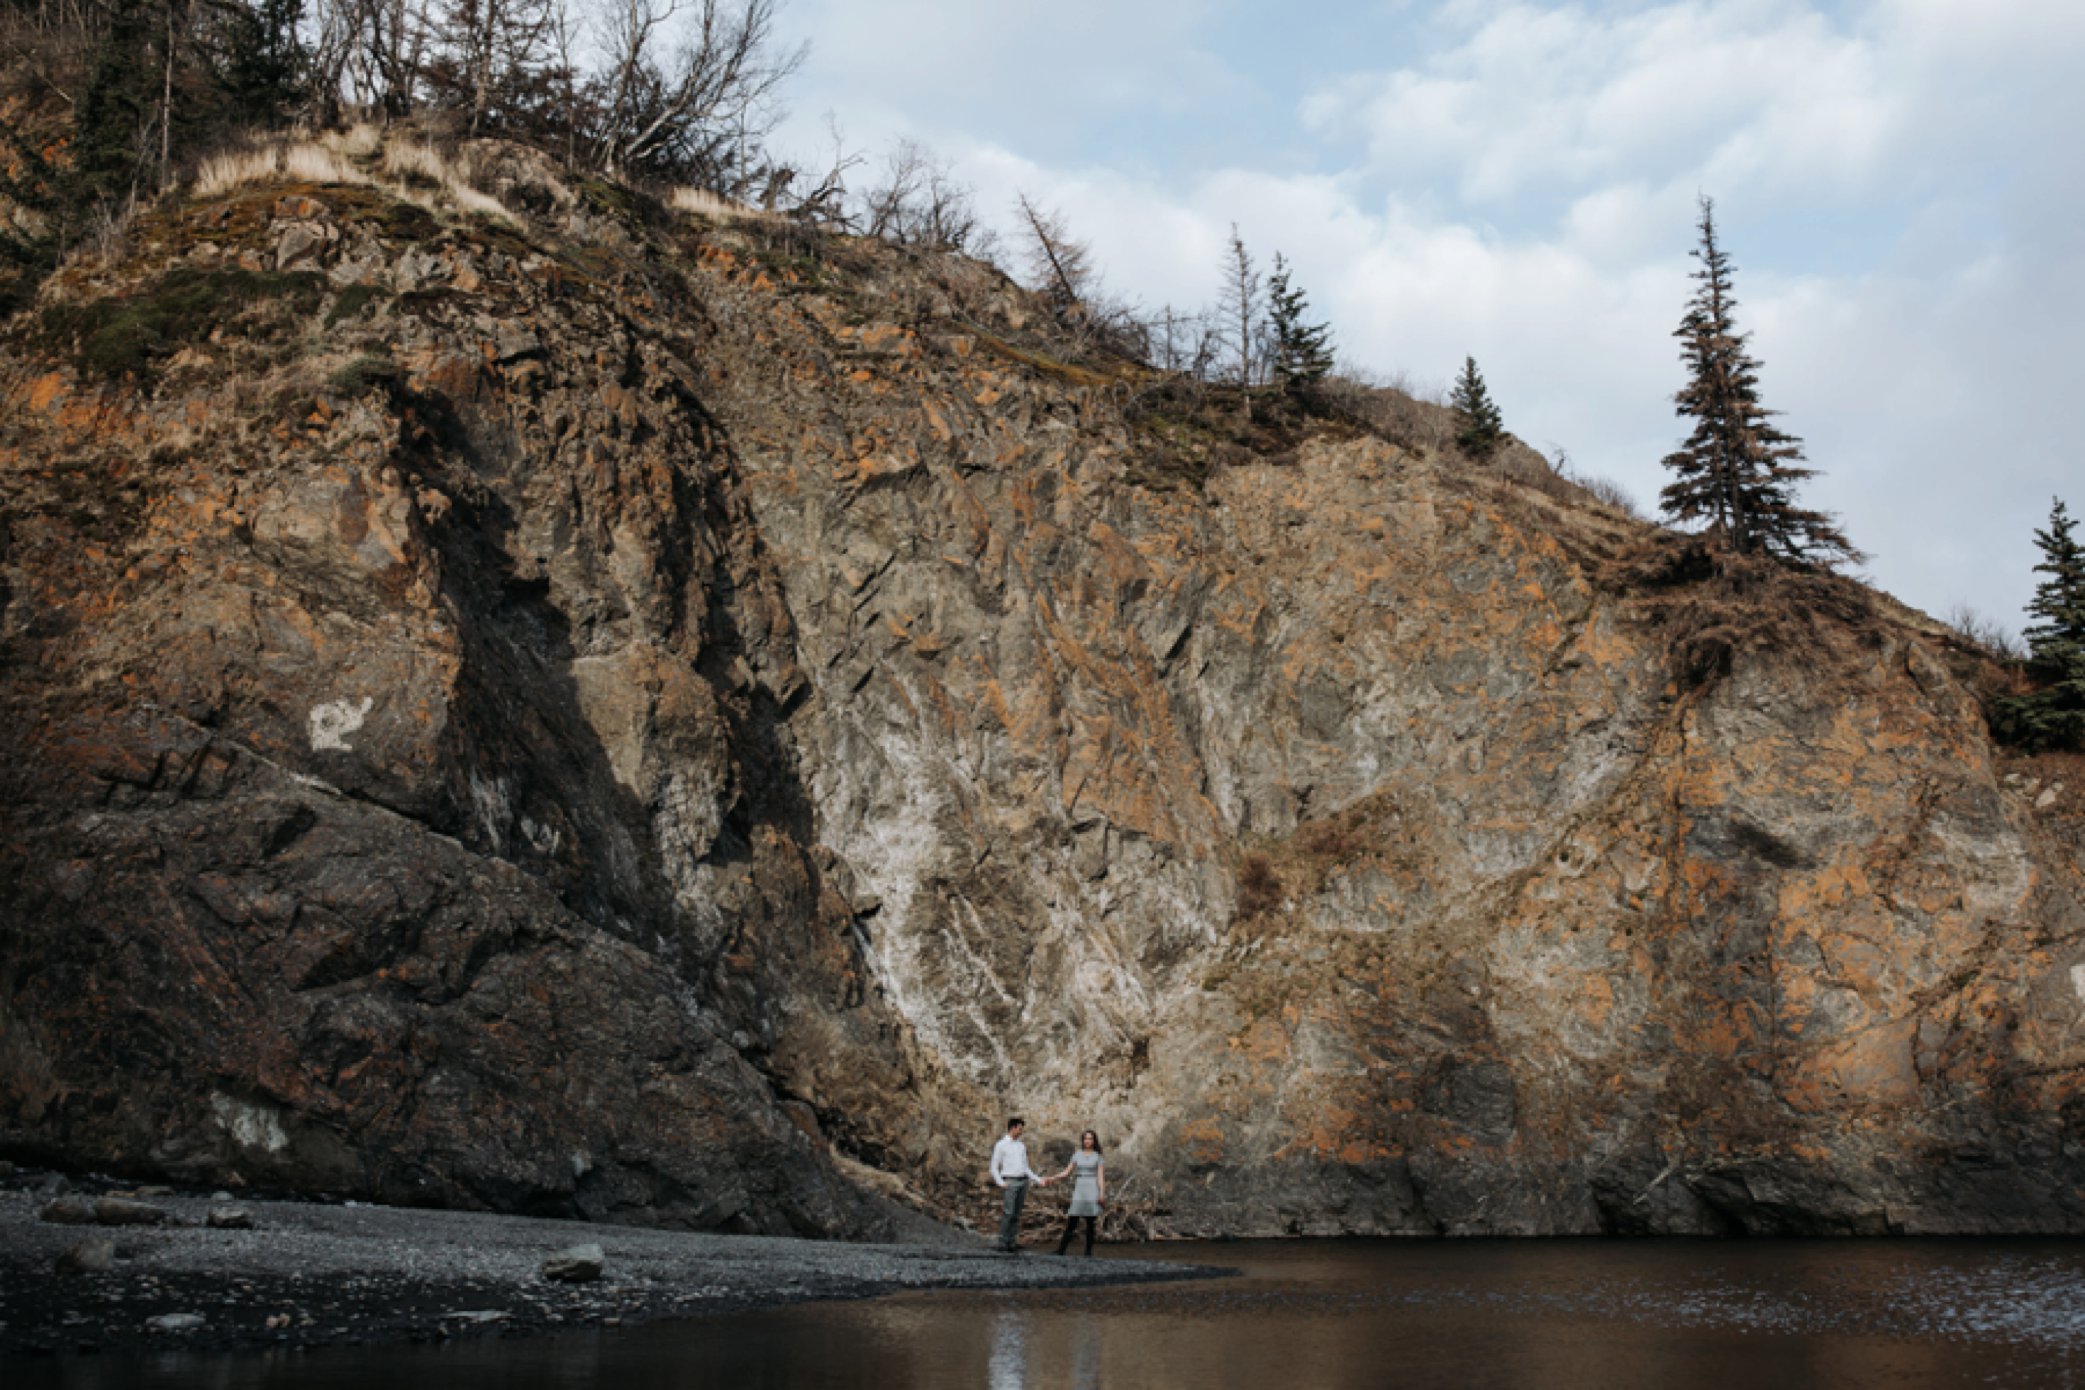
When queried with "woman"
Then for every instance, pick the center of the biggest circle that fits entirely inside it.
(1088, 1193)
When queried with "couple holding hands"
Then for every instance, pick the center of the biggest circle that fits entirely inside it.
(1010, 1171)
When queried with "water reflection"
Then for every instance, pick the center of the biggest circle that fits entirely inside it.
(1325, 1315)
(1009, 1370)
(1086, 1355)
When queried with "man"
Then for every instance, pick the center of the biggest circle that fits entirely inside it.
(1010, 1171)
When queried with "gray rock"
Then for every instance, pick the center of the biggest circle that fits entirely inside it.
(54, 1185)
(581, 1264)
(69, 1211)
(121, 1211)
(175, 1322)
(231, 1218)
(90, 1256)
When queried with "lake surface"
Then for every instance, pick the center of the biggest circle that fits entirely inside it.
(1310, 1314)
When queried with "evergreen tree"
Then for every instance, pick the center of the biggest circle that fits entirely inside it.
(1479, 427)
(2054, 716)
(1738, 471)
(111, 149)
(1302, 350)
(264, 68)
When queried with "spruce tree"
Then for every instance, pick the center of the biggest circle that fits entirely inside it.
(2054, 715)
(1302, 350)
(110, 151)
(265, 67)
(1479, 427)
(1737, 473)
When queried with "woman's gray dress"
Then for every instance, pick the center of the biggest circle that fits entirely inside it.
(1085, 1189)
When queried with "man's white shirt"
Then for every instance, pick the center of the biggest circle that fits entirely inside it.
(1010, 1160)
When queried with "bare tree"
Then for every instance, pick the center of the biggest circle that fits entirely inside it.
(823, 200)
(1240, 311)
(1060, 267)
(491, 54)
(1181, 342)
(919, 203)
(695, 113)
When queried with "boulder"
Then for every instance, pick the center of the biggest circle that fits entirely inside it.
(122, 1211)
(90, 1256)
(68, 1211)
(581, 1264)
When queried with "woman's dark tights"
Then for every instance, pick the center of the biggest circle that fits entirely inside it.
(1071, 1223)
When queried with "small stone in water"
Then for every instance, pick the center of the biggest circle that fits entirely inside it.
(175, 1322)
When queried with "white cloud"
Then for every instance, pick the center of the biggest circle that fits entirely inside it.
(1897, 180)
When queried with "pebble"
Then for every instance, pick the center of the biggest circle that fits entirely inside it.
(231, 1218)
(175, 1322)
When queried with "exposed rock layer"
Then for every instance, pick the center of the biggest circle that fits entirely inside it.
(683, 723)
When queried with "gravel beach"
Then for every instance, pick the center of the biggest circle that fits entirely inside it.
(310, 1274)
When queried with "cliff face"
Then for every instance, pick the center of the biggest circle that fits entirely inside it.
(693, 723)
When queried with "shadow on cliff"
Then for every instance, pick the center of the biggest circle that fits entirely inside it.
(531, 781)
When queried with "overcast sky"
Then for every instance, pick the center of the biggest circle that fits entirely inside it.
(1900, 183)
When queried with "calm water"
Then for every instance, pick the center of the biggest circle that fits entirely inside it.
(1331, 1314)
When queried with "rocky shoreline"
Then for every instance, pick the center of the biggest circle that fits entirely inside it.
(129, 1269)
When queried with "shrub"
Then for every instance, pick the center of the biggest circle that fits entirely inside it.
(1986, 635)
(1259, 888)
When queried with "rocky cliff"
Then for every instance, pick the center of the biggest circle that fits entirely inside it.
(593, 709)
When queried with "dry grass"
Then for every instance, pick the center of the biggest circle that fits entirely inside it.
(360, 155)
(715, 206)
(425, 167)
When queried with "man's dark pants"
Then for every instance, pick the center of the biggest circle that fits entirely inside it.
(1010, 1217)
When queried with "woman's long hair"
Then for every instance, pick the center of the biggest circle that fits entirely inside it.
(1089, 1134)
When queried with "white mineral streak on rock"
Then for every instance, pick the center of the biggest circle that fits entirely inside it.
(892, 849)
(251, 1126)
(333, 721)
(686, 815)
(2078, 982)
(495, 811)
